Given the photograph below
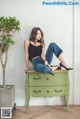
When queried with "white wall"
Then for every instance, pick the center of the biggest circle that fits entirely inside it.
(57, 25)
(76, 55)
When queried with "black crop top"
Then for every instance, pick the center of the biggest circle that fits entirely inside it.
(34, 51)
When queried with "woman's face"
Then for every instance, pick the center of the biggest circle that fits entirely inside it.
(38, 36)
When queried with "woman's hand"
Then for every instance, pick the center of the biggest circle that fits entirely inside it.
(46, 63)
(26, 69)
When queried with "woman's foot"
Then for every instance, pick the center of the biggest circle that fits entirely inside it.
(64, 66)
(55, 68)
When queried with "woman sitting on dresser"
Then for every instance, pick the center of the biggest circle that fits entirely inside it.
(34, 51)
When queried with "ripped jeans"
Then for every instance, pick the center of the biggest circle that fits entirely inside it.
(38, 63)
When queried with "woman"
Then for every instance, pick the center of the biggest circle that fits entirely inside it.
(34, 49)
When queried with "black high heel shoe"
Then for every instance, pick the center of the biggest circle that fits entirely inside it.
(58, 67)
(61, 65)
(52, 73)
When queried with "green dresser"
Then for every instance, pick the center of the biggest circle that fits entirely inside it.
(46, 85)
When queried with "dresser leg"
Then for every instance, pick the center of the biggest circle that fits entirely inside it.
(27, 101)
(66, 102)
(27, 106)
(27, 93)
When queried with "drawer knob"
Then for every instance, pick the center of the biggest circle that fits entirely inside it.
(47, 91)
(36, 78)
(36, 91)
(57, 91)
(47, 78)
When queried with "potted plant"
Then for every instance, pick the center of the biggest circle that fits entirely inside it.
(8, 26)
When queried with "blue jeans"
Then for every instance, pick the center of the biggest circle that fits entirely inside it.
(38, 63)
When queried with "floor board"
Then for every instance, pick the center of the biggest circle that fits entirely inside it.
(47, 112)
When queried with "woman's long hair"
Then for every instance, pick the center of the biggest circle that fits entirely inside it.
(34, 33)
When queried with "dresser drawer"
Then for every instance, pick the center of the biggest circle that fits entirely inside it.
(40, 79)
(48, 91)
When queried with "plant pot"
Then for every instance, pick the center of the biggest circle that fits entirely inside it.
(7, 96)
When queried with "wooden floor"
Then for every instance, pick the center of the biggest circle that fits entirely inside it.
(47, 112)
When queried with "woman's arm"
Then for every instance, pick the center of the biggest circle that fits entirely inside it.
(43, 54)
(26, 45)
(44, 58)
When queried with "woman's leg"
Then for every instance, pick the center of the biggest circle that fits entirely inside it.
(38, 65)
(42, 68)
(62, 59)
(53, 48)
